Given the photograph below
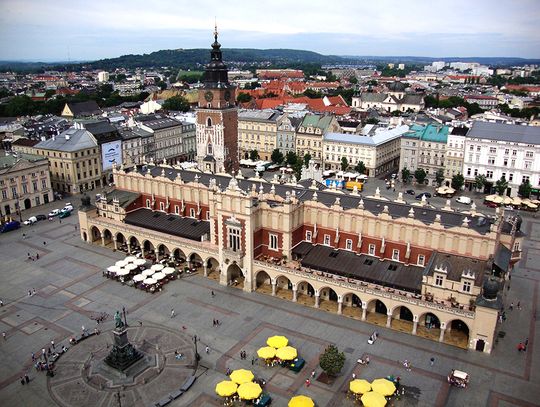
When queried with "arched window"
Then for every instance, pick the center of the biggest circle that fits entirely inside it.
(209, 122)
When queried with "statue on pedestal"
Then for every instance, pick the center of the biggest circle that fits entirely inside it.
(119, 324)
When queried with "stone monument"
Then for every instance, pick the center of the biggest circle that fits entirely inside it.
(123, 353)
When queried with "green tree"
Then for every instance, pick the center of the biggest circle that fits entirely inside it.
(439, 176)
(49, 93)
(176, 103)
(353, 80)
(457, 182)
(501, 185)
(344, 163)
(20, 106)
(243, 97)
(525, 189)
(420, 175)
(253, 155)
(277, 156)
(307, 159)
(291, 158)
(297, 169)
(405, 175)
(312, 94)
(372, 120)
(360, 167)
(332, 360)
(480, 181)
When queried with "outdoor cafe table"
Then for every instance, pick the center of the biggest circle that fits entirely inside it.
(157, 267)
(114, 269)
(149, 281)
(138, 277)
(147, 272)
(158, 276)
(140, 262)
(168, 270)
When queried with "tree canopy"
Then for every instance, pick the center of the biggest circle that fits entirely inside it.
(332, 361)
(177, 103)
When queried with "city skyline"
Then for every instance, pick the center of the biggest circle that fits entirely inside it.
(55, 31)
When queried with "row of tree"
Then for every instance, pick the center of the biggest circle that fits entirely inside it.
(457, 182)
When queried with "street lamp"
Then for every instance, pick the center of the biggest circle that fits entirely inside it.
(195, 340)
(17, 206)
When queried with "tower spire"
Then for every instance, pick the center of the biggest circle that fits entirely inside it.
(215, 29)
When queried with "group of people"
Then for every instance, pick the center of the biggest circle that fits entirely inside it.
(522, 346)
(30, 257)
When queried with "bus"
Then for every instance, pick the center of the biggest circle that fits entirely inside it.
(349, 185)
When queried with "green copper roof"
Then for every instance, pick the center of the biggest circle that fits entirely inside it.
(434, 133)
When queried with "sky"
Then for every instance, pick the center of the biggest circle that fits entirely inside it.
(76, 30)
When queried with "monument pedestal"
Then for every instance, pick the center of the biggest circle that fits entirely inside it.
(123, 353)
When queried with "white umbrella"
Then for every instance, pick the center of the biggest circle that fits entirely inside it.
(147, 272)
(507, 200)
(131, 266)
(114, 269)
(516, 200)
(121, 263)
(157, 267)
(149, 281)
(130, 259)
(158, 276)
(138, 277)
(140, 262)
(123, 272)
(168, 270)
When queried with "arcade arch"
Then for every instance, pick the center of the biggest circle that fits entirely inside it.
(305, 293)
(352, 305)
(377, 312)
(235, 277)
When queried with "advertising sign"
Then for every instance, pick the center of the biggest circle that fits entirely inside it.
(111, 153)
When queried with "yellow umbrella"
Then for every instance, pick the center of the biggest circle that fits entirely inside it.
(490, 198)
(301, 401)
(383, 386)
(507, 200)
(359, 386)
(372, 399)
(266, 352)
(226, 388)
(242, 376)
(286, 353)
(497, 199)
(277, 341)
(249, 391)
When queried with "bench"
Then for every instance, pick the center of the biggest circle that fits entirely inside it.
(188, 383)
(163, 402)
(175, 394)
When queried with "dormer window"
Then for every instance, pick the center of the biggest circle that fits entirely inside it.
(466, 286)
(439, 280)
(209, 148)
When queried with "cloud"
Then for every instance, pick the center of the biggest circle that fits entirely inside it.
(34, 29)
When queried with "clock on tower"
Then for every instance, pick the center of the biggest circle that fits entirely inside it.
(217, 117)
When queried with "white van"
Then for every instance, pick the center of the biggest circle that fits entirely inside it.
(464, 200)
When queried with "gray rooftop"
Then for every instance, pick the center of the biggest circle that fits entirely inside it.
(70, 140)
(258, 115)
(505, 132)
(378, 138)
(347, 201)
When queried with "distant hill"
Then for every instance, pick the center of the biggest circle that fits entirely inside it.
(198, 57)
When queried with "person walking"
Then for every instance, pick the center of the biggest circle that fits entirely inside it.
(213, 295)
(37, 256)
(519, 305)
(24, 235)
(172, 312)
(308, 382)
(432, 361)
(33, 291)
(353, 376)
(52, 344)
(207, 349)
(1, 303)
(44, 243)
(4, 335)
(26, 378)
(511, 307)
(22, 380)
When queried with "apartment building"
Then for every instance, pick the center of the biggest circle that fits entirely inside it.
(496, 150)
(257, 130)
(424, 147)
(310, 132)
(453, 163)
(24, 183)
(379, 152)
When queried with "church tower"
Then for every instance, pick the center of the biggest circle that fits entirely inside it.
(217, 117)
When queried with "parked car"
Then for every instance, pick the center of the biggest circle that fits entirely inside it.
(64, 214)
(67, 208)
(426, 194)
(464, 200)
(491, 204)
(30, 221)
(41, 217)
(54, 212)
(410, 192)
(9, 226)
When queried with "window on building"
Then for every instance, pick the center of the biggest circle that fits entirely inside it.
(510, 177)
(191, 212)
(525, 179)
(273, 242)
(348, 244)
(491, 160)
(371, 250)
(439, 280)
(528, 165)
(395, 254)
(148, 203)
(421, 260)
(308, 236)
(176, 209)
(4, 194)
(234, 239)
(492, 150)
(489, 174)
(327, 240)
(161, 206)
(25, 188)
(466, 286)
(529, 154)
(468, 171)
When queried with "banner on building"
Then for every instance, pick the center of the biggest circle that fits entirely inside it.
(111, 153)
